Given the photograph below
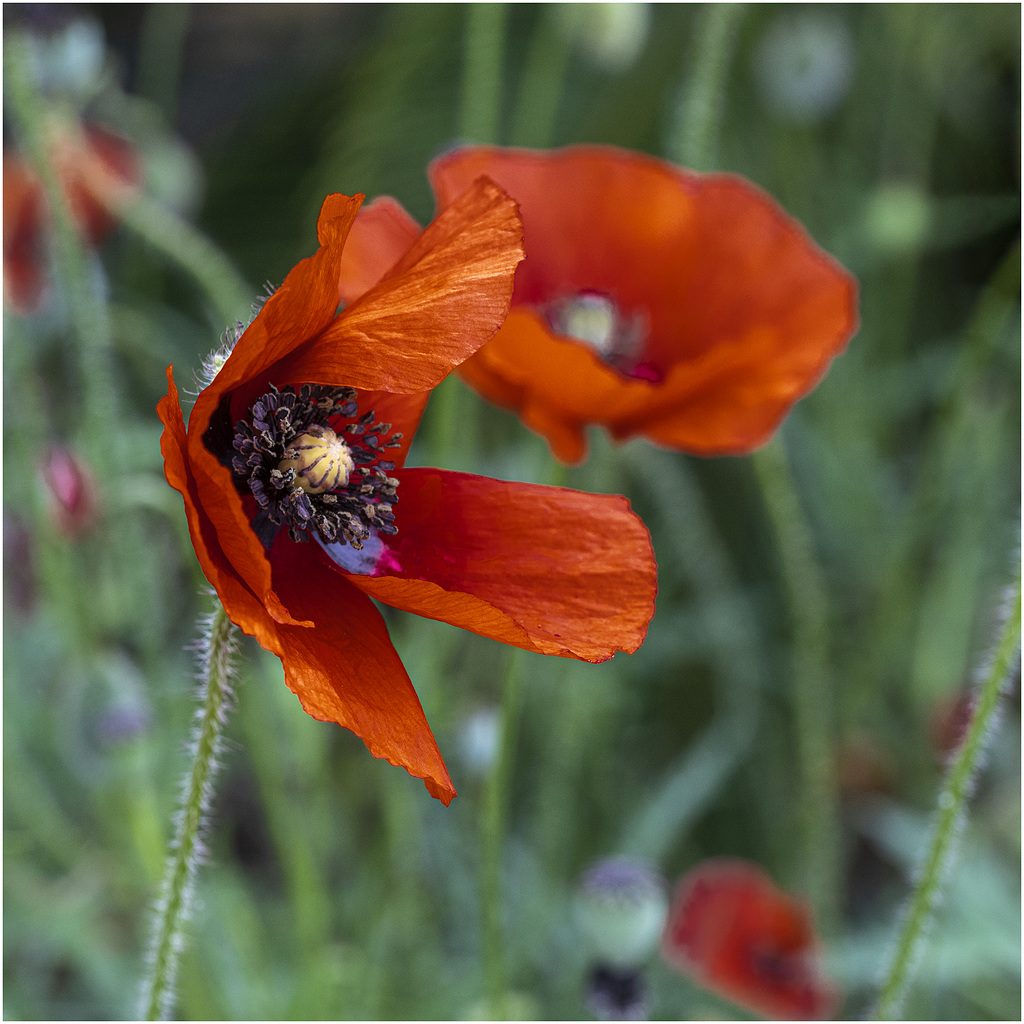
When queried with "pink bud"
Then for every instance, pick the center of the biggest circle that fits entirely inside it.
(71, 493)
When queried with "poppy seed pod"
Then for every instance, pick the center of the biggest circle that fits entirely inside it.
(621, 905)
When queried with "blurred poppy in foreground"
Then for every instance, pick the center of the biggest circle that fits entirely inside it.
(735, 933)
(25, 205)
(686, 308)
(292, 470)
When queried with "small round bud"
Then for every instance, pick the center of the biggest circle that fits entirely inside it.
(321, 460)
(621, 906)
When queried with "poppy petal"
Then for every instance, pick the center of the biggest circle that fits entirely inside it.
(543, 568)
(23, 220)
(721, 403)
(735, 933)
(231, 556)
(346, 670)
(300, 309)
(381, 235)
(403, 412)
(444, 299)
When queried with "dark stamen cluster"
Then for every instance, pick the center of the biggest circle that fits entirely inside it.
(347, 514)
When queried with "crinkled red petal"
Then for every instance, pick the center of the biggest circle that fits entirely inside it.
(382, 234)
(442, 301)
(346, 669)
(231, 556)
(543, 568)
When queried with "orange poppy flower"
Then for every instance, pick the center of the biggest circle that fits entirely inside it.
(301, 435)
(735, 933)
(686, 308)
(25, 205)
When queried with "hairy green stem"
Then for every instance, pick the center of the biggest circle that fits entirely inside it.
(812, 688)
(703, 99)
(493, 835)
(178, 889)
(952, 809)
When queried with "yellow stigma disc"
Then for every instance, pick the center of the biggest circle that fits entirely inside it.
(321, 460)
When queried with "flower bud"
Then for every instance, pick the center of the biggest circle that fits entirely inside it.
(70, 492)
(621, 908)
(479, 736)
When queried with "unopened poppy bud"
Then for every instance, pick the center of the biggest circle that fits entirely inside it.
(321, 460)
(621, 907)
(70, 491)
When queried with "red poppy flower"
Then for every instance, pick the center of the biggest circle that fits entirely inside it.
(290, 442)
(735, 933)
(25, 205)
(654, 301)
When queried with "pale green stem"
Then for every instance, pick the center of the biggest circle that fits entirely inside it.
(493, 835)
(952, 809)
(87, 312)
(547, 61)
(482, 68)
(164, 27)
(178, 888)
(703, 100)
(454, 412)
(181, 243)
(694, 779)
(812, 685)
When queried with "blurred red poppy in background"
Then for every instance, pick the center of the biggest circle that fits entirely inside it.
(25, 204)
(733, 932)
(301, 511)
(686, 308)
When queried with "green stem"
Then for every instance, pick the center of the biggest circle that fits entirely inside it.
(703, 100)
(164, 27)
(178, 890)
(454, 416)
(481, 82)
(181, 243)
(812, 689)
(952, 805)
(493, 836)
(87, 312)
(698, 555)
(547, 61)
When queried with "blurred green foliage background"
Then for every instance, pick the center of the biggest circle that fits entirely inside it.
(335, 886)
